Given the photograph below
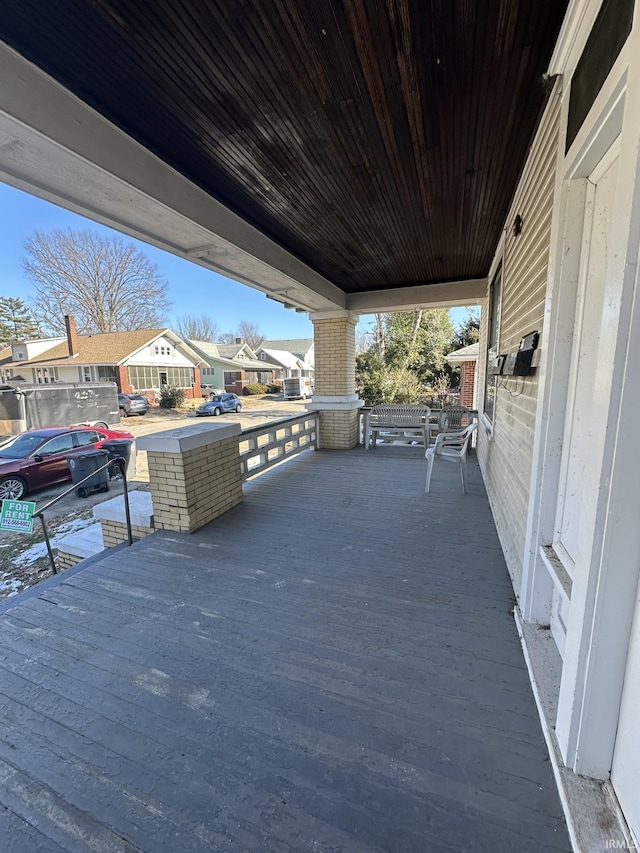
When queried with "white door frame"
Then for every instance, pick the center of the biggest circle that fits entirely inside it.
(602, 597)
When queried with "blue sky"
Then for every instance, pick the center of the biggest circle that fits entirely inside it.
(192, 289)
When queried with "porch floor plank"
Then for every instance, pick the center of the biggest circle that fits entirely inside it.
(330, 666)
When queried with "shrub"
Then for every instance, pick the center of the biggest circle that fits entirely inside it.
(255, 388)
(171, 398)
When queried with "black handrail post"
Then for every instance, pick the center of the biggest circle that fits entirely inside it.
(125, 491)
(48, 543)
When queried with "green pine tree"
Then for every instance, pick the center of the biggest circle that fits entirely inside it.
(16, 321)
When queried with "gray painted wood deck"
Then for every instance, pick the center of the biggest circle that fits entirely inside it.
(331, 666)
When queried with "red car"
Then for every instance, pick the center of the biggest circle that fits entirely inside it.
(37, 458)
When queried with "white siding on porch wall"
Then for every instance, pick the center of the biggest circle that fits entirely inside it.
(505, 456)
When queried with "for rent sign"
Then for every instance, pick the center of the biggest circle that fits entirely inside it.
(17, 515)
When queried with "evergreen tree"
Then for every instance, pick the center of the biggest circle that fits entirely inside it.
(468, 331)
(16, 321)
(418, 340)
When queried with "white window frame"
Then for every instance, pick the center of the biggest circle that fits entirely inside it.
(493, 346)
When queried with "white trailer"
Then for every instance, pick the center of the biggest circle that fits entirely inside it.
(296, 387)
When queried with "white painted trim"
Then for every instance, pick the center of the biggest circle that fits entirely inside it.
(593, 820)
(602, 125)
(338, 314)
(183, 439)
(56, 147)
(338, 403)
(555, 345)
(602, 592)
(576, 27)
(445, 295)
(498, 259)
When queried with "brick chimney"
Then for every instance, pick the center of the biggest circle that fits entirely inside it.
(72, 335)
(239, 340)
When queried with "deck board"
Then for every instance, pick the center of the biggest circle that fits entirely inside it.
(330, 666)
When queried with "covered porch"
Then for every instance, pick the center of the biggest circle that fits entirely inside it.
(267, 683)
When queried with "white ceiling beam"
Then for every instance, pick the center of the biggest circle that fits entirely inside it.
(450, 294)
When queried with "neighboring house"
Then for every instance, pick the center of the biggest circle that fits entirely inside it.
(232, 366)
(142, 361)
(466, 359)
(6, 359)
(294, 357)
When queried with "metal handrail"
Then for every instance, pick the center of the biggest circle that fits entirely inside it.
(122, 464)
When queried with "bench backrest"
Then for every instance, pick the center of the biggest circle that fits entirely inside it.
(400, 415)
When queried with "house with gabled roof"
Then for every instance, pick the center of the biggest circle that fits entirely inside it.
(140, 361)
(294, 356)
(232, 366)
(302, 348)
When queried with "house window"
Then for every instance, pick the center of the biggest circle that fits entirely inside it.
(45, 375)
(493, 329)
(231, 377)
(149, 378)
(179, 377)
(86, 373)
(263, 356)
(105, 373)
(156, 350)
(208, 371)
(144, 378)
(6, 375)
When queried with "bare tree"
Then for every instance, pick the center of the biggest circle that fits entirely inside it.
(195, 328)
(227, 338)
(250, 333)
(108, 285)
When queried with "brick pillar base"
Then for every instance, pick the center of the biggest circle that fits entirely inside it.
(194, 474)
(338, 430)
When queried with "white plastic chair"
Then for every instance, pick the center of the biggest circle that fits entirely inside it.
(450, 419)
(454, 418)
(452, 447)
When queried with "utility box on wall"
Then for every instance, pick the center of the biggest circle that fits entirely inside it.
(523, 360)
(520, 363)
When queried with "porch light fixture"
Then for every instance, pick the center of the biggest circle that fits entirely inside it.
(517, 225)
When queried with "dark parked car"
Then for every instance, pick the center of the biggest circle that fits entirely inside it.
(37, 458)
(219, 403)
(132, 404)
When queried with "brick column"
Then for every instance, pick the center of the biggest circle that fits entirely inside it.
(467, 383)
(122, 380)
(194, 474)
(335, 379)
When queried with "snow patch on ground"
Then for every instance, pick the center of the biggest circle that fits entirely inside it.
(35, 552)
(9, 583)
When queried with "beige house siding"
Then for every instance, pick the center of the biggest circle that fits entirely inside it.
(505, 456)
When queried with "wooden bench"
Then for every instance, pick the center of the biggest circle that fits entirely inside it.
(406, 423)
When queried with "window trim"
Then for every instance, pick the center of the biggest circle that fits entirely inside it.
(493, 340)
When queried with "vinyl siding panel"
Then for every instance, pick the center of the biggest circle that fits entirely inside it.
(505, 455)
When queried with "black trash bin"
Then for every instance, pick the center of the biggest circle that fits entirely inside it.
(118, 447)
(83, 464)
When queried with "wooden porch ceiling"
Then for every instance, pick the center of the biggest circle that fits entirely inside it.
(378, 142)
